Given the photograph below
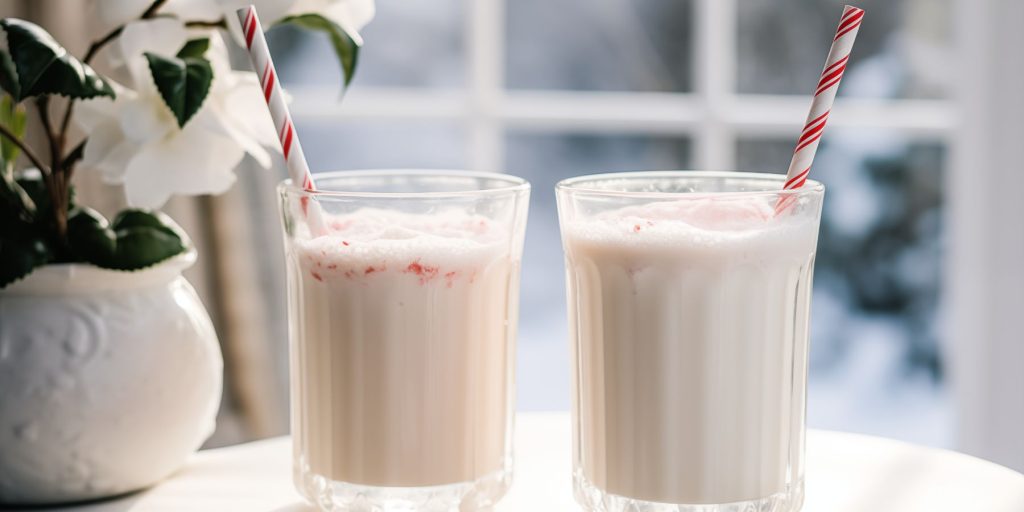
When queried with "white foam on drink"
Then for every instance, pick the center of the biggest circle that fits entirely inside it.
(692, 224)
(370, 241)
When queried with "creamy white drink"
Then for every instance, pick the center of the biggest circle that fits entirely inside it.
(689, 328)
(403, 330)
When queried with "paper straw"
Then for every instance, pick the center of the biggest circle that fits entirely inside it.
(295, 159)
(824, 96)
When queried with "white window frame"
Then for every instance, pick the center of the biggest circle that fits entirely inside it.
(714, 117)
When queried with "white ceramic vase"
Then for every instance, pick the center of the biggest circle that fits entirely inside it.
(109, 380)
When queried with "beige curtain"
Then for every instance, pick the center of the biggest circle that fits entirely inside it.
(239, 275)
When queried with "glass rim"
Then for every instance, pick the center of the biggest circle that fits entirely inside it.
(576, 185)
(511, 184)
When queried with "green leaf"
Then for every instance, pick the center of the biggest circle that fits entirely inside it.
(18, 258)
(8, 75)
(43, 66)
(33, 184)
(12, 117)
(90, 237)
(183, 83)
(17, 205)
(138, 248)
(143, 239)
(346, 48)
(194, 48)
(139, 218)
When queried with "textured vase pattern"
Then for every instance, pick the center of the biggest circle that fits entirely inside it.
(108, 381)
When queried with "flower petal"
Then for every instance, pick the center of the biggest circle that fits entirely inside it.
(147, 118)
(202, 10)
(163, 36)
(102, 139)
(220, 61)
(114, 165)
(190, 162)
(245, 106)
(233, 127)
(114, 13)
(91, 112)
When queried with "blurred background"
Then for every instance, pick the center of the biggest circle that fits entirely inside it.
(918, 288)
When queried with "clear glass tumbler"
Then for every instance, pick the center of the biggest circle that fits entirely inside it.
(688, 307)
(402, 305)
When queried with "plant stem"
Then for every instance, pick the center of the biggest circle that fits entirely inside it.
(43, 107)
(24, 149)
(96, 46)
(221, 23)
(58, 180)
(65, 123)
(153, 8)
(73, 157)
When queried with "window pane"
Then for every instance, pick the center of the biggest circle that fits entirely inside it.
(607, 45)
(368, 144)
(875, 361)
(901, 52)
(544, 160)
(412, 43)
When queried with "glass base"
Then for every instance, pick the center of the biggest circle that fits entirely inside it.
(335, 496)
(595, 500)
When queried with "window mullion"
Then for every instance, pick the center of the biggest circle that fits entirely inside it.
(485, 43)
(715, 36)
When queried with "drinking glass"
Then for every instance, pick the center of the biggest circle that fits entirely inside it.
(688, 302)
(403, 290)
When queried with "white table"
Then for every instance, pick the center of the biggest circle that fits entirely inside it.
(845, 473)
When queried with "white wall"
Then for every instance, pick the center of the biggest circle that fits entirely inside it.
(985, 301)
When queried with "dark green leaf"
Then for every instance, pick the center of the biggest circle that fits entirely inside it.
(35, 186)
(18, 258)
(15, 203)
(44, 67)
(183, 83)
(9, 75)
(90, 237)
(139, 248)
(144, 239)
(346, 48)
(31, 182)
(194, 48)
(139, 218)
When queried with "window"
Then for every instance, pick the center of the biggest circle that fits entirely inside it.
(548, 90)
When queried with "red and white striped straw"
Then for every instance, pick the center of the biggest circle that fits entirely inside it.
(298, 168)
(824, 96)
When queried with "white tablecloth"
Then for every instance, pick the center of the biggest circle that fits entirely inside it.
(845, 473)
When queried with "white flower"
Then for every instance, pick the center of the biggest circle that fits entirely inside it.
(135, 139)
(110, 14)
(351, 15)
